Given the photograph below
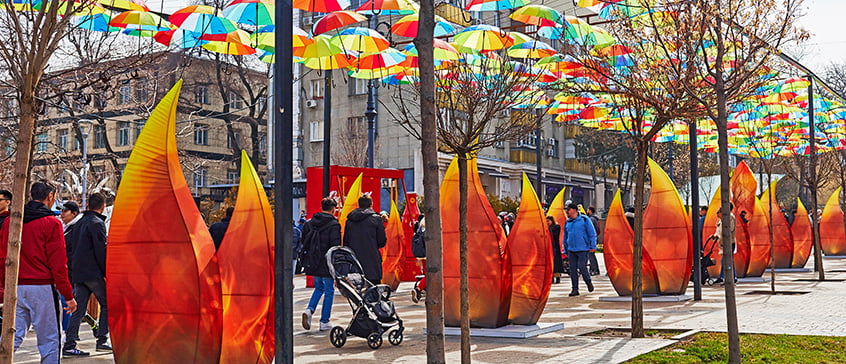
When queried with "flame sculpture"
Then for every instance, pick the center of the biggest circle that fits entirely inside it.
(410, 267)
(802, 236)
(490, 266)
(394, 251)
(782, 236)
(163, 280)
(759, 241)
(666, 233)
(556, 208)
(708, 228)
(832, 232)
(618, 241)
(246, 272)
(350, 202)
(531, 260)
(743, 186)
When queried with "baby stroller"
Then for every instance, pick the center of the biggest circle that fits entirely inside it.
(706, 261)
(373, 311)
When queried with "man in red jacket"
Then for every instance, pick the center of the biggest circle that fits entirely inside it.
(43, 270)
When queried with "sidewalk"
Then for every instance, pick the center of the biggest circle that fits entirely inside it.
(819, 312)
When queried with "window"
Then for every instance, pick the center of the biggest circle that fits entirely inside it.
(233, 140)
(41, 143)
(10, 146)
(235, 101)
(552, 148)
(62, 139)
(99, 136)
(357, 126)
(232, 177)
(141, 87)
(201, 134)
(316, 131)
(201, 95)
(529, 141)
(125, 93)
(358, 87)
(261, 103)
(200, 179)
(316, 90)
(139, 125)
(123, 133)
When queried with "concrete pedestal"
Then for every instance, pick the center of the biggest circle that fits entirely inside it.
(509, 331)
(667, 298)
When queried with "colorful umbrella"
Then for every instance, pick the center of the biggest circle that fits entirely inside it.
(495, 5)
(335, 20)
(250, 12)
(179, 38)
(533, 49)
(407, 26)
(388, 7)
(142, 19)
(538, 15)
(361, 40)
(95, 22)
(124, 5)
(483, 37)
(321, 6)
(202, 19)
(234, 43)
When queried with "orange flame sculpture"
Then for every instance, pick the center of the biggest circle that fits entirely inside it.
(759, 241)
(618, 240)
(832, 232)
(393, 252)
(743, 186)
(410, 267)
(802, 236)
(666, 233)
(490, 264)
(163, 280)
(531, 260)
(246, 272)
(782, 236)
(350, 201)
(708, 228)
(556, 208)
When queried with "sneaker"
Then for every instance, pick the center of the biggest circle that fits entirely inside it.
(307, 319)
(104, 347)
(574, 293)
(719, 280)
(74, 352)
(325, 326)
(589, 286)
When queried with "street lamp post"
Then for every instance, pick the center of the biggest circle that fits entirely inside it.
(84, 124)
(371, 114)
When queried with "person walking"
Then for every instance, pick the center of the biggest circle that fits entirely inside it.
(69, 216)
(594, 264)
(557, 261)
(5, 202)
(718, 235)
(365, 234)
(42, 270)
(328, 231)
(88, 274)
(579, 241)
(218, 229)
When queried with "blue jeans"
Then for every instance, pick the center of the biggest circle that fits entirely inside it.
(578, 265)
(82, 292)
(323, 286)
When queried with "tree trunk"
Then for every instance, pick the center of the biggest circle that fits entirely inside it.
(727, 236)
(465, 279)
(431, 185)
(23, 156)
(815, 185)
(637, 253)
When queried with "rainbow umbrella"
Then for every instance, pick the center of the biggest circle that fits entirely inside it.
(483, 37)
(443, 50)
(265, 39)
(335, 61)
(321, 6)
(388, 7)
(65, 7)
(139, 32)
(142, 19)
(250, 12)
(234, 43)
(407, 26)
(495, 5)
(124, 5)
(381, 60)
(335, 20)
(360, 39)
(179, 38)
(95, 22)
(202, 19)
(538, 15)
(21, 5)
(321, 46)
(520, 37)
(533, 49)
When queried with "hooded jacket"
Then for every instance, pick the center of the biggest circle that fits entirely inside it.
(330, 235)
(218, 230)
(579, 235)
(87, 245)
(365, 234)
(43, 258)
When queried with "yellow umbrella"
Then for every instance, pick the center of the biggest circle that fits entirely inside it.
(361, 40)
(235, 43)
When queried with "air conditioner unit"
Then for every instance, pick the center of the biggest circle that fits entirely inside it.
(552, 141)
(550, 153)
(311, 104)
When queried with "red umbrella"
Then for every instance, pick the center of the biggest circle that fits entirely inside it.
(321, 6)
(335, 20)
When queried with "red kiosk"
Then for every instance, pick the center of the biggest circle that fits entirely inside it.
(374, 181)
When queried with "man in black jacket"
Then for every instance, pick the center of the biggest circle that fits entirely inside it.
(218, 229)
(365, 234)
(88, 273)
(329, 230)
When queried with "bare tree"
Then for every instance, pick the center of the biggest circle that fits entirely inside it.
(352, 150)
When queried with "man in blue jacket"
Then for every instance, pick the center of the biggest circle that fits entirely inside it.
(579, 242)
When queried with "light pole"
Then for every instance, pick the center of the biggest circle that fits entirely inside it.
(84, 124)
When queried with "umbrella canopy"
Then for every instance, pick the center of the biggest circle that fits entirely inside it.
(335, 61)
(234, 43)
(361, 40)
(407, 26)
(533, 49)
(265, 39)
(443, 50)
(380, 61)
(202, 19)
(124, 4)
(145, 20)
(250, 12)
(495, 5)
(95, 22)
(321, 6)
(335, 20)
(179, 38)
(484, 38)
(388, 7)
(538, 15)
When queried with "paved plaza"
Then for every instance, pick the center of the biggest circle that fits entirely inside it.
(819, 312)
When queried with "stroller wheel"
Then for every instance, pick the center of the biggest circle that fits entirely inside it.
(395, 337)
(414, 297)
(338, 337)
(374, 340)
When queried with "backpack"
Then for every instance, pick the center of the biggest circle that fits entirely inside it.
(310, 255)
(418, 244)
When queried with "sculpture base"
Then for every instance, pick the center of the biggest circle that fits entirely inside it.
(790, 270)
(834, 256)
(753, 280)
(665, 298)
(508, 331)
